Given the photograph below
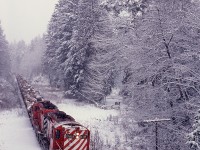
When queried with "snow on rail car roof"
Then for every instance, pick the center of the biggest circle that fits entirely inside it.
(48, 105)
(69, 123)
(61, 116)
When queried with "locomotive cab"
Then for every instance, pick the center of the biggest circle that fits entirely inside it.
(69, 135)
(65, 133)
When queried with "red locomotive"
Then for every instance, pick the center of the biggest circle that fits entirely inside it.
(54, 129)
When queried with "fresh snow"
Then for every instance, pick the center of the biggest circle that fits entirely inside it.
(95, 119)
(16, 132)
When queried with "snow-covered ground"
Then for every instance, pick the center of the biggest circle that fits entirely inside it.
(95, 119)
(16, 132)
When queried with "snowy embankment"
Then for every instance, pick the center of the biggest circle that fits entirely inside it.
(16, 132)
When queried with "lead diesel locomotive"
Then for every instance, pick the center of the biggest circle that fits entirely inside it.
(55, 130)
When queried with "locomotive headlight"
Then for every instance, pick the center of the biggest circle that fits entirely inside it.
(77, 135)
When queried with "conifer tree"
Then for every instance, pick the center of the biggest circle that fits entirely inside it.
(73, 49)
(89, 76)
(57, 40)
(4, 55)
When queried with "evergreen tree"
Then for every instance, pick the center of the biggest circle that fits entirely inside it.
(9, 97)
(4, 55)
(33, 53)
(57, 40)
(74, 51)
(17, 51)
(90, 75)
(133, 7)
(80, 46)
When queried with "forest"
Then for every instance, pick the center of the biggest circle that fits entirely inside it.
(148, 49)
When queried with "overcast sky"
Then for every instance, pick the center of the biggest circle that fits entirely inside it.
(25, 19)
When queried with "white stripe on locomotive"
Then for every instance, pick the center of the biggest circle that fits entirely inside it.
(83, 144)
(68, 139)
(45, 124)
(74, 141)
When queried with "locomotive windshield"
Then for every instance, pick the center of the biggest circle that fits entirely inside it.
(57, 134)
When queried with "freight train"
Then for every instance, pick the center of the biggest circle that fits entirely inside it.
(54, 129)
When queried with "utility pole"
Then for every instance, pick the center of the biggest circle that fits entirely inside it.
(156, 135)
(156, 121)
